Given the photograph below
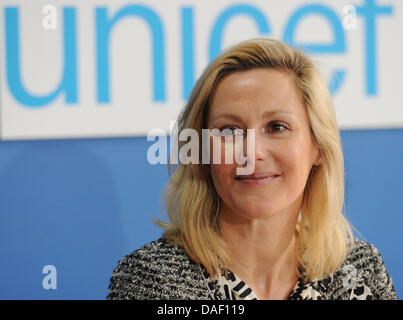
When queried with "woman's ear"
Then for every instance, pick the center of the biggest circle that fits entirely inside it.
(317, 156)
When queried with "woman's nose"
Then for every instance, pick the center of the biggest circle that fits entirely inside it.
(261, 146)
(255, 147)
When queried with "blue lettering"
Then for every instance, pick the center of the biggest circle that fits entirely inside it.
(103, 29)
(336, 80)
(188, 51)
(68, 84)
(369, 11)
(224, 17)
(337, 46)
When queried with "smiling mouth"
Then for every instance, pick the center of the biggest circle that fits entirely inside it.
(257, 178)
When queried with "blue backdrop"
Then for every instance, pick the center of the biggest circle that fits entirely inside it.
(80, 205)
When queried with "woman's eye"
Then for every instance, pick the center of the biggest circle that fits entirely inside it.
(231, 131)
(276, 126)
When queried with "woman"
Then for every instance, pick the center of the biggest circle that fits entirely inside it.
(277, 232)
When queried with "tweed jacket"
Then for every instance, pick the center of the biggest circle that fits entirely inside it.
(161, 270)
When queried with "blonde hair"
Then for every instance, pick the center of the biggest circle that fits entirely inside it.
(193, 204)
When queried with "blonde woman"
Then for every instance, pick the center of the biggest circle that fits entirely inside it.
(277, 232)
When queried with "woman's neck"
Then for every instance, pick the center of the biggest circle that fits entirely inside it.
(262, 251)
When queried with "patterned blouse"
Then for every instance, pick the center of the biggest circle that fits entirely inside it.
(234, 288)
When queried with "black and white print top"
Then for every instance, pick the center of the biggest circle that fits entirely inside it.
(162, 270)
(233, 287)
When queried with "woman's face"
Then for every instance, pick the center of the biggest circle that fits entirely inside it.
(267, 101)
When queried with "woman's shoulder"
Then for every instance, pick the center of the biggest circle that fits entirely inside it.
(363, 275)
(363, 254)
(158, 270)
(155, 252)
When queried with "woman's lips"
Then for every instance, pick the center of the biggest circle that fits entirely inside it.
(257, 178)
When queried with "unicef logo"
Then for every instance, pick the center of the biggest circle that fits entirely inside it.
(106, 21)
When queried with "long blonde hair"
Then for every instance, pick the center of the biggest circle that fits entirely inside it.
(193, 204)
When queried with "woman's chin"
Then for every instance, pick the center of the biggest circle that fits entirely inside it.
(254, 212)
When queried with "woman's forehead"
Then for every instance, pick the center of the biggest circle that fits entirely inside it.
(265, 92)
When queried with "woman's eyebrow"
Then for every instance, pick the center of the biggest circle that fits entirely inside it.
(229, 116)
(277, 112)
(266, 114)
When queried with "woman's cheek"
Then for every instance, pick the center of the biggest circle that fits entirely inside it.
(221, 175)
(295, 162)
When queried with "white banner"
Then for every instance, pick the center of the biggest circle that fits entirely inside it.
(98, 68)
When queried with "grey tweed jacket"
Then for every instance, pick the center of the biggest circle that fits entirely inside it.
(163, 271)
